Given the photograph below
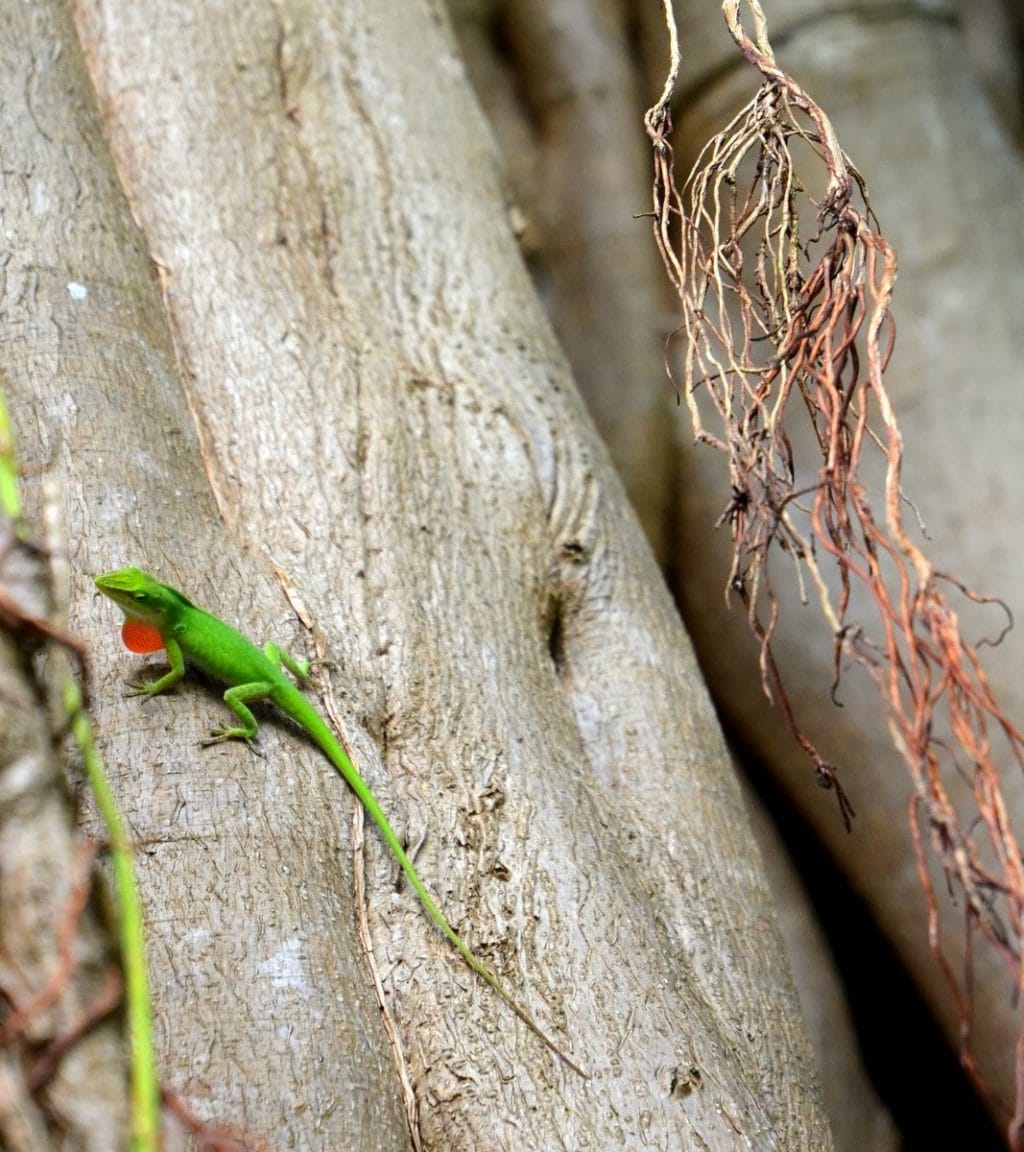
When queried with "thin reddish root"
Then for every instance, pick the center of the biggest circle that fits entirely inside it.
(779, 326)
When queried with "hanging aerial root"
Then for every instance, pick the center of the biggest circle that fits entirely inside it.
(785, 284)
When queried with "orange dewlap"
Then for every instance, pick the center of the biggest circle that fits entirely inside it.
(139, 637)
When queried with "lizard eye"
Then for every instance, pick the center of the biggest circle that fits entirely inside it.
(140, 595)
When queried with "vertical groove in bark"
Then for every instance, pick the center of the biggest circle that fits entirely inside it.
(559, 85)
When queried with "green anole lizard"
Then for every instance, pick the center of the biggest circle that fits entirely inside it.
(157, 617)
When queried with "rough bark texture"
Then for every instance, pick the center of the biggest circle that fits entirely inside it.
(945, 178)
(859, 1121)
(560, 88)
(314, 351)
(569, 84)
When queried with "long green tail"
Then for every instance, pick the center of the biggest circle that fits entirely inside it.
(305, 714)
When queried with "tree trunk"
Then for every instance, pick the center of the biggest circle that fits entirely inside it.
(945, 179)
(565, 89)
(269, 330)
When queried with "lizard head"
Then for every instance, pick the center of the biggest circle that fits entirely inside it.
(139, 596)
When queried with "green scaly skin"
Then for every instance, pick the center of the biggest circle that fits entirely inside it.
(191, 635)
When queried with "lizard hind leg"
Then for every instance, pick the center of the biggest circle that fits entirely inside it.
(279, 658)
(237, 699)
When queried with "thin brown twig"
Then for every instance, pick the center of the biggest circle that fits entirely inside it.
(67, 935)
(43, 1067)
(212, 1137)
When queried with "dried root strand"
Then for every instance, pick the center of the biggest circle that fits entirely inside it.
(785, 296)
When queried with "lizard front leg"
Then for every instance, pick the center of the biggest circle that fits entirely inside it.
(150, 688)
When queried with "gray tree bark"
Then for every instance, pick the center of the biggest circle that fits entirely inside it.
(268, 329)
(565, 88)
(944, 174)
